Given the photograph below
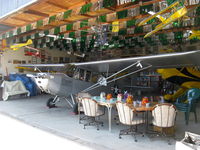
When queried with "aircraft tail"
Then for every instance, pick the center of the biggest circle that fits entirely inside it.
(186, 78)
(29, 42)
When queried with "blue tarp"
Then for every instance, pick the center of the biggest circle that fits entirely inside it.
(27, 81)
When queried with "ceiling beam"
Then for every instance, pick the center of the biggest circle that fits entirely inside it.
(79, 4)
(57, 5)
(10, 24)
(87, 1)
(21, 19)
(135, 4)
(37, 13)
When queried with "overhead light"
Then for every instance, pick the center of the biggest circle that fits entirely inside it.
(17, 9)
(56, 37)
(69, 38)
(50, 35)
(151, 13)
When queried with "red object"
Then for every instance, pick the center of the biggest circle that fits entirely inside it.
(37, 54)
(145, 100)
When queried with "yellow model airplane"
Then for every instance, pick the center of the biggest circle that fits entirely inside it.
(19, 45)
(165, 21)
(195, 34)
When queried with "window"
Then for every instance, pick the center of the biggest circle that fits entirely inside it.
(88, 76)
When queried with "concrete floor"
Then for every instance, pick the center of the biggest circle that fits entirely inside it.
(62, 122)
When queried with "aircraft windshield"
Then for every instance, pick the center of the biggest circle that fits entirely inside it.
(81, 74)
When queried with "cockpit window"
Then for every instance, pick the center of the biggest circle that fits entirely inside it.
(76, 74)
(88, 76)
(81, 76)
(70, 69)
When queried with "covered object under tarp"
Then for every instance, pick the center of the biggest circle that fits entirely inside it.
(11, 88)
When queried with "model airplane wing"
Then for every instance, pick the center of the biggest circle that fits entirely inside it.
(195, 34)
(17, 46)
(169, 60)
(156, 14)
(175, 16)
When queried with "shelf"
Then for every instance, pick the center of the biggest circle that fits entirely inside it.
(148, 79)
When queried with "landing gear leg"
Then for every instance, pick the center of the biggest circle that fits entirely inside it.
(51, 103)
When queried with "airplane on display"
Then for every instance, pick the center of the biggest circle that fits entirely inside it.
(19, 45)
(97, 76)
(15, 46)
(179, 13)
(195, 34)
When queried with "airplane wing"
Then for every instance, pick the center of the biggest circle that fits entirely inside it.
(169, 60)
(195, 34)
(162, 19)
(178, 14)
(158, 13)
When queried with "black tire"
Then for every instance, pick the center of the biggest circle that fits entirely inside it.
(50, 103)
(75, 109)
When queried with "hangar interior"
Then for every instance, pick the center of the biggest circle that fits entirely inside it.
(108, 64)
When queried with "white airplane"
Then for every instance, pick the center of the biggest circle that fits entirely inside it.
(79, 75)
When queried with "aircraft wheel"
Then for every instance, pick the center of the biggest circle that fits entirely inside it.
(50, 103)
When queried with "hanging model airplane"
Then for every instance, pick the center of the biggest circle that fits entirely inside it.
(80, 76)
(179, 13)
(19, 45)
(195, 34)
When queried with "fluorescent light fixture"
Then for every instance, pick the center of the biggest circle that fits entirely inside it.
(54, 36)
(151, 13)
(68, 38)
(17, 9)
(41, 34)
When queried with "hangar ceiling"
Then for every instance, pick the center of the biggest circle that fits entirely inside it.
(90, 23)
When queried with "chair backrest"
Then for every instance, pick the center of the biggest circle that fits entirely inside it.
(164, 115)
(184, 107)
(187, 102)
(193, 95)
(125, 113)
(90, 107)
(83, 95)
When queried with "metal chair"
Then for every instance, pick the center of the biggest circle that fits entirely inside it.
(79, 98)
(92, 112)
(164, 116)
(129, 117)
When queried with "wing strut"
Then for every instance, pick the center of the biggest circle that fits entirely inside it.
(98, 84)
(104, 80)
